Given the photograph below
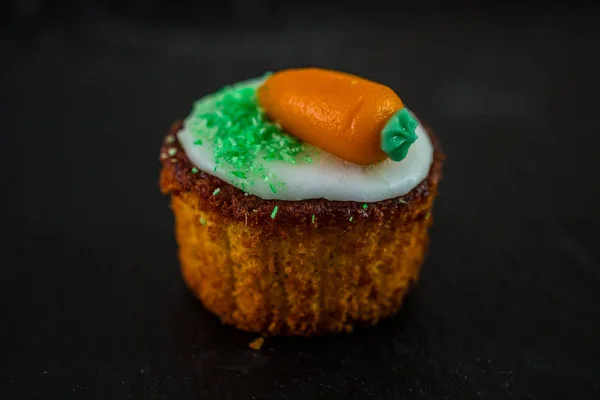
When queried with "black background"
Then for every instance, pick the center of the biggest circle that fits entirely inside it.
(91, 301)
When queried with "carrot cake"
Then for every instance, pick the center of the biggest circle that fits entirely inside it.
(302, 201)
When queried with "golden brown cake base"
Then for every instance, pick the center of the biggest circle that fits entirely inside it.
(289, 275)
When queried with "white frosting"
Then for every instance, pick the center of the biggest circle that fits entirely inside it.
(328, 176)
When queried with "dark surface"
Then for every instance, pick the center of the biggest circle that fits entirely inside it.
(508, 306)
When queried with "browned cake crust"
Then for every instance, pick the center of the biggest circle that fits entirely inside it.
(289, 275)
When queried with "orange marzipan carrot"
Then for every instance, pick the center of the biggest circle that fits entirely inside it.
(335, 111)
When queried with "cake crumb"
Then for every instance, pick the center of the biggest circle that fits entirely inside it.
(170, 139)
(256, 344)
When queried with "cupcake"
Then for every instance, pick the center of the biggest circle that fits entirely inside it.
(302, 201)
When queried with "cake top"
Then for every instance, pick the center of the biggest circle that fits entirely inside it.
(309, 133)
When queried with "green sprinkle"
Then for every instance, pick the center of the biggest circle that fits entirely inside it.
(197, 142)
(194, 170)
(313, 218)
(239, 174)
(216, 192)
(170, 139)
(202, 221)
(272, 188)
(215, 169)
(402, 201)
(274, 213)
(241, 135)
(351, 219)
(365, 206)
(172, 151)
(254, 210)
